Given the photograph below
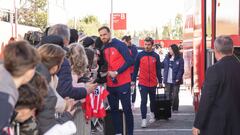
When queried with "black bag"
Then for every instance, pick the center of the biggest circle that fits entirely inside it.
(109, 126)
(163, 105)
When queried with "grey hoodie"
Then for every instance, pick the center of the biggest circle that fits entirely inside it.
(8, 98)
(46, 117)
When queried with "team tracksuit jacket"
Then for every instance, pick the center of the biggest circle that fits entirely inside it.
(150, 69)
(118, 59)
(133, 52)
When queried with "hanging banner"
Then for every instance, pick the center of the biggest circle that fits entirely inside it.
(119, 21)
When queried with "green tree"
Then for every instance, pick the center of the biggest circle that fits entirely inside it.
(166, 33)
(88, 24)
(173, 30)
(146, 33)
(118, 33)
(156, 34)
(33, 13)
(177, 31)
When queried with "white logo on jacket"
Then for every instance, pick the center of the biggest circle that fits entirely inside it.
(96, 92)
(153, 60)
(177, 62)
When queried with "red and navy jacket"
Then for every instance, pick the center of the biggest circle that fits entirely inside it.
(118, 59)
(133, 52)
(150, 69)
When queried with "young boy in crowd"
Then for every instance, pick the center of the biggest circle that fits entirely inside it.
(20, 60)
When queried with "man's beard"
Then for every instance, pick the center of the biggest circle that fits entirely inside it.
(106, 41)
(148, 50)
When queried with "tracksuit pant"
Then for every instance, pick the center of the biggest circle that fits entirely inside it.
(145, 91)
(173, 90)
(134, 96)
(123, 94)
(133, 93)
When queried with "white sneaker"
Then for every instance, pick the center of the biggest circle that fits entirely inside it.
(152, 118)
(144, 123)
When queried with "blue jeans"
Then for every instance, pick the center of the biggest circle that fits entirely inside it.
(144, 91)
(123, 94)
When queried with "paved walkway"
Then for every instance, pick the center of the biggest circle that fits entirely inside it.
(179, 124)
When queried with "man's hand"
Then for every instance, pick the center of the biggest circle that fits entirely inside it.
(160, 85)
(195, 131)
(133, 87)
(83, 100)
(90, 86)
(112, 74)
(133, 83)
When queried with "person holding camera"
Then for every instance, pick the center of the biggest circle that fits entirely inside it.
(118, 60)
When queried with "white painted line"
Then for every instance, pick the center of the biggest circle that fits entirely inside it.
(162, 130)
(183, 114)
(173, 114)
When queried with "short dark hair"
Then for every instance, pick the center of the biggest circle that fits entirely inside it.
(40, 83)
(99, 44)
(88, 41)
(224, 44)
(52, 39)
(29, 98)
(73, 36)
(127, 38)
(104, 27)
(20, 57)
(32, 94)
(45, 33)
(149, 39)
(158, 46)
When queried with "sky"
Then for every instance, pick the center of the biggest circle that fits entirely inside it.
(141, 14)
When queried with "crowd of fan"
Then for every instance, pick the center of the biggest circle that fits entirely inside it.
(43, 85)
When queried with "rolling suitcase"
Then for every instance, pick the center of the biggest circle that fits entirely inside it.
(163, 105)
(108, 123)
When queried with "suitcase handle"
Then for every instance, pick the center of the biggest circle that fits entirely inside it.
(157, 92)
(166, 94)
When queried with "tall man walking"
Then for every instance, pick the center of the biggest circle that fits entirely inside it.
(148, 62)
(119, 60)
(133, 52)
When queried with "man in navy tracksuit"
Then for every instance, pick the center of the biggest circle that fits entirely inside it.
(150, 75)
(133, 52)
(119, 60)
